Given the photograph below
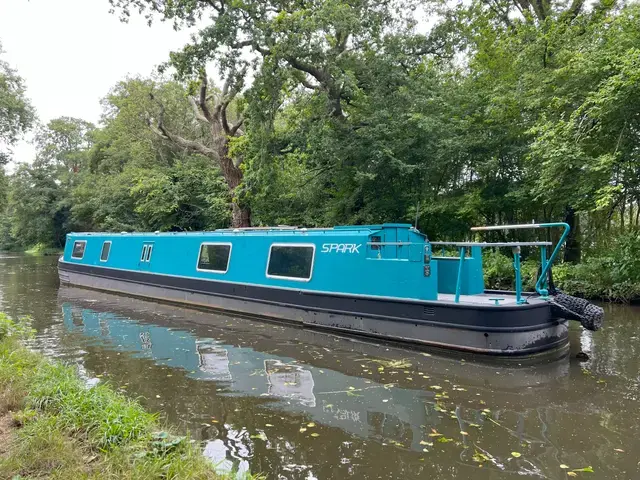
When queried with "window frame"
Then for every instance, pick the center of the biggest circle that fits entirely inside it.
(143, 255)
(149, 253)
(84, 250)
(295, 279)
(198, 269)
(102, 250)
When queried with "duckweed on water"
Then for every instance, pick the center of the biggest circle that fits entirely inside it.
(62, 428)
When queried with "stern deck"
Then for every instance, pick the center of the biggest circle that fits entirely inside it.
(487, 299)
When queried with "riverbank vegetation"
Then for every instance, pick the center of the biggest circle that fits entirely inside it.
(612, 275)
(451, 114)
(53, 424)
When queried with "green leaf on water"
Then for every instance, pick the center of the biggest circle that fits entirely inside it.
(516, 454)
(315, 434)
(585, 469)
(445, 440)
(480, 457)
(260, 436)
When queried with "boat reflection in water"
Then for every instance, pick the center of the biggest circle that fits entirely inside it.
(298, 373)
(290, 381)
(259, 374)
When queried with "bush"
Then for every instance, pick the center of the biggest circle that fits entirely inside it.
(498, 270)
(499, 273)
(613, 275)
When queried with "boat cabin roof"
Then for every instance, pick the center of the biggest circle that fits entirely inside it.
(355, 230)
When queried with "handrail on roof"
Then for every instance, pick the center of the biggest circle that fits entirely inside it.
(493, 244)
(249, 229)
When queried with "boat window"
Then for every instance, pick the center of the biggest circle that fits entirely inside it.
(214, 257)
(144, 253)
(78, 249)
(149, 250)
(294, 262)
(106, 249)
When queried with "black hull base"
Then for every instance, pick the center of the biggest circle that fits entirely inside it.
(505, 330)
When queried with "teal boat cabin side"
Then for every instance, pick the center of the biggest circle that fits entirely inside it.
(384, 260)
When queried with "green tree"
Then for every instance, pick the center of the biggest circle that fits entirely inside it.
(136, 180)
(320, 48)
(16, 113)
(64, 142)
(33, 207)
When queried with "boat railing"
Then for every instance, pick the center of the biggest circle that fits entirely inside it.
(542, 287)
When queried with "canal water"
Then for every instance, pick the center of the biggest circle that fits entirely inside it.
(299, 404)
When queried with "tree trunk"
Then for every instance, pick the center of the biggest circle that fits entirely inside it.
(631, 214)
(240, 214)
(572, 248)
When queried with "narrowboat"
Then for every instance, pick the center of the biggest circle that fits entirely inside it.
(384, 281)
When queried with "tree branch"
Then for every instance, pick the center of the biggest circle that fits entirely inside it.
(315, 72)
(190, 145)
(236, 126)
(244, 43)
(212, 3)
(196, 110)
(308, 84)
(574, 9)
(223, 118)
(160, 130)
(202, 99)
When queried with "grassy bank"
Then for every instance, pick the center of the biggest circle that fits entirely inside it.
(37, 249)
(52, 425)
(42, 249)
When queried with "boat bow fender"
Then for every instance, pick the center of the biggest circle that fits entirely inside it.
(573, 308)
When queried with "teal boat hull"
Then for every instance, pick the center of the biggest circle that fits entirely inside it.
(505, 330)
